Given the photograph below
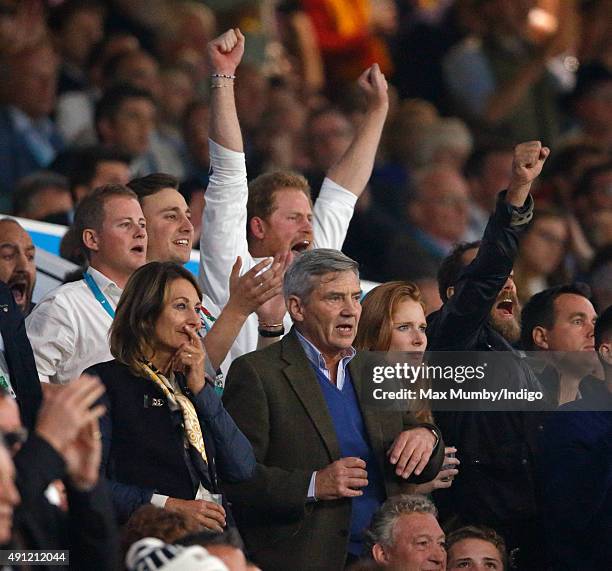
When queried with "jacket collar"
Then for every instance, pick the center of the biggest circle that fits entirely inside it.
(302, 378)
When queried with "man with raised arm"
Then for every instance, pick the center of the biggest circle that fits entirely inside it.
(277, 206)
(480, 313)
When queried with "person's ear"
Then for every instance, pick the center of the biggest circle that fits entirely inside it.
(379, 554)
(450, 290)
(91, 240)
(540, 337)
(295, 307)
(257, 226)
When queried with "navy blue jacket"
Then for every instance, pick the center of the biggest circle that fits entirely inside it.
(575, 482)
(143, 451)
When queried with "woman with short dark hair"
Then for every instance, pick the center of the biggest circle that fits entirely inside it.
(166, 437)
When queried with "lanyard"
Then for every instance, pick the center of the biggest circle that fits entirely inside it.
(219, 381)
(204, 315)
(93, 286)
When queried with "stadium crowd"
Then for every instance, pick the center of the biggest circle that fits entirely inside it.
(425, 179)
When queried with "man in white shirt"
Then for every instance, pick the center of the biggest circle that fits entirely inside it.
(287, 221)
(170, 239)
(68, 328)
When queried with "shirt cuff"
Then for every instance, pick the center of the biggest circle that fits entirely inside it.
(519, 215)
(330, 189)
(223, 159)
(159, 500)
(312, 488)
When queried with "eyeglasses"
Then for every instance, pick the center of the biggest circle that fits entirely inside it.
(15, 437)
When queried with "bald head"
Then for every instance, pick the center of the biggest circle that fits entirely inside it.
(17, 265)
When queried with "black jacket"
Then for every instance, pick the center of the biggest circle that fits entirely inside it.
(575, 482)
(88, 530)
(495, 485)
(19, 357)
(143, 442)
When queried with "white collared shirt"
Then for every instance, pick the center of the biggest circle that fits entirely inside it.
(68, 329)
(316, 359)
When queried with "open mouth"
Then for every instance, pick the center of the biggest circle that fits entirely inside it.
(344, 329)
(300, 247)
(183, 243)
(18, 289)
(506, 307)
(138, 249)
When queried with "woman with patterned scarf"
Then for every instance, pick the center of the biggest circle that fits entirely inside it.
(167, 440)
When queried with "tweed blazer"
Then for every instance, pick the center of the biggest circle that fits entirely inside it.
(275, 399)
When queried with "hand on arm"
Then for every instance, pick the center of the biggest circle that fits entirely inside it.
(355, 167)
(257, 287)
(527, 164)
(411, 451)
(224, 56)
(341, 479)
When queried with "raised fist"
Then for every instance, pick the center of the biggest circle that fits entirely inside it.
(373, 83)
(225, 52)
(528, 161)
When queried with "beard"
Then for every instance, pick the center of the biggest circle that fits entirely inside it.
(508, 328)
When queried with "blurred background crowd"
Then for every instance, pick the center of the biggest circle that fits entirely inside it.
(96, 92)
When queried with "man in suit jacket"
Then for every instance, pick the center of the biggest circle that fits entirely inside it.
(575, 470)
(16, 356)
(325, 460)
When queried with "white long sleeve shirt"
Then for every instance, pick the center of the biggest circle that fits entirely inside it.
(224, 237)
